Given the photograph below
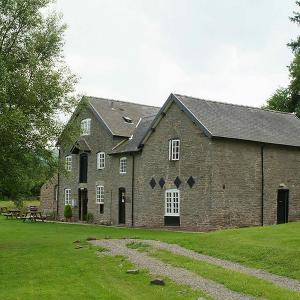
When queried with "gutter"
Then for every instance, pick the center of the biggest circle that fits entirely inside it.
(262, 183)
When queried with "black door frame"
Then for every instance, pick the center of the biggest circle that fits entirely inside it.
(282, 206)
(82, 204)
(83, 167)
(122, 205)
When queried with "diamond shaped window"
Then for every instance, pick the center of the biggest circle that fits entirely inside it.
(161, 182)
(177, 182)
(191, 181)
(152, 183)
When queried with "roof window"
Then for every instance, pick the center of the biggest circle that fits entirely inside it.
(127, 120)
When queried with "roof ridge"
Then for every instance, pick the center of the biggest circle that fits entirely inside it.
(239, 105)
(151, 116)
(122, 101)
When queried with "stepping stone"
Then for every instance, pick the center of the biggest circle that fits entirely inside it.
(76, 242)
(157, 282)
(134, 271)
(91, 238)
(78, 247)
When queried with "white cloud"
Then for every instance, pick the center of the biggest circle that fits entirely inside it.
(143, 50)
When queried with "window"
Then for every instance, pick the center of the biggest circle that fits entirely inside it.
(100, 160)
(68, 163)
(127, 120)
(68, 200)
(174, 149)
(86, 127)
(172, 203)
(99, 194)
(123, 165)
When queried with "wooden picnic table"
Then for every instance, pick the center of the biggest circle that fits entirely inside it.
(12, 213)
(32, 215)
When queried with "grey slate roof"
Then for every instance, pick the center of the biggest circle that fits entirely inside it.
(132, 145)
(243, 122)
(111, 113)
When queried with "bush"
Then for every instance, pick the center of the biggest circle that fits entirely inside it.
(18, 202)
(52, 215)
(68, 212)
(90, 218)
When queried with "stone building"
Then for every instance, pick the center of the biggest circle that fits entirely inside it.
(49, 195)
(193, 163)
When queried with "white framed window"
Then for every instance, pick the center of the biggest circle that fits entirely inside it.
(172, 203)
(68, 163)
(123, 165)
(99, 194)
(68, 200)
(174, 149)
(85, 127)
(100, 160)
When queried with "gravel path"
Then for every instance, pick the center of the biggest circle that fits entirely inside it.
(276, 279)
(178, 275)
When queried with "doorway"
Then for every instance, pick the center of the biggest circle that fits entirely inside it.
(122, 198)
(82, 205)
(83, 168)
(282, 206)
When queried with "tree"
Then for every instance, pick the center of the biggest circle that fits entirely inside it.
(288, 99)
(35, 86)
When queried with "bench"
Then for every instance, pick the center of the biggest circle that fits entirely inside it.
(8, 215)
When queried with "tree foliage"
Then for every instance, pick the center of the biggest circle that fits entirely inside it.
(35, 87)
(288, 99)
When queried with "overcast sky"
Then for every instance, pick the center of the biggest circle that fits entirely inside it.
(143, 50)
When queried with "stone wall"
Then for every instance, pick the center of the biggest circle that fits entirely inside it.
(48, 195)
(282, 168)
(153, 162)
(100, 140)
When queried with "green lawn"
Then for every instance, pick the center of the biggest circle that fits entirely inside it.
(236, 281)
(8, 203)
(38, 260)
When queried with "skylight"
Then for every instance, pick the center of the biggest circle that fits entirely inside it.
(127, 120)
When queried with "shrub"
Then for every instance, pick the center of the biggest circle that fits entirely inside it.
(90, 218)
(68, 212)
(18, 202)
(52, 215)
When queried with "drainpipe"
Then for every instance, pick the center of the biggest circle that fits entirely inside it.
(262, 183)
(58, 185)
(132, 193)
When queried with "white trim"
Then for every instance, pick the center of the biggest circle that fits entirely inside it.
(174, 149)
(139, 121)
(193, 115)
(85, 126)
(100, 160)
(68, 200)
(123, 165)
(99, 194)
(96, 112)
(172, 202)
(68, 163)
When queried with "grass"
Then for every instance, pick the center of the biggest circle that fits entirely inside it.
(38, 260)
(9, 203)
(235, 281)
